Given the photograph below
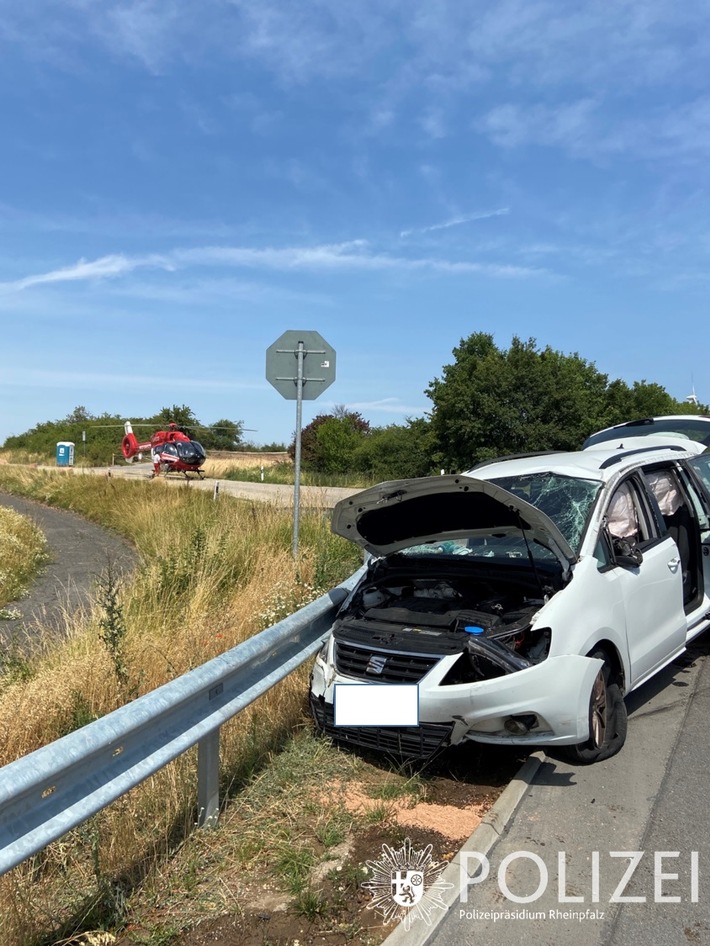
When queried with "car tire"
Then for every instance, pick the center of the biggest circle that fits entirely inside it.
(607, 718)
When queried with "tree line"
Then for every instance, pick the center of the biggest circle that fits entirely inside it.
(488, 402)
(98, 437)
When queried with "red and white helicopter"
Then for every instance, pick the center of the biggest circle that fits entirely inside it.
(171, 450)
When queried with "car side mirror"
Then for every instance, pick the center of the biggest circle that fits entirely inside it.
(626, 553)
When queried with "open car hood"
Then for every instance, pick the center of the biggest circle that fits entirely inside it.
(392, 516)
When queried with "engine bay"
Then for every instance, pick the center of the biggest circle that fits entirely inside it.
(423, 613)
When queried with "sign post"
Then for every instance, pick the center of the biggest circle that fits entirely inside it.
(300, 365)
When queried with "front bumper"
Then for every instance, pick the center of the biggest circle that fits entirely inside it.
(554, 695)
(405, 742)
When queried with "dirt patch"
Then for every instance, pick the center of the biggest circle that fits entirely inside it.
(453, 821)
(348, 917)
(441, 809)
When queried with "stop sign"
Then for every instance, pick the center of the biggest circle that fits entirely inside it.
(282, 360)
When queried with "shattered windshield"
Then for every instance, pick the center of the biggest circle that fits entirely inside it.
(567, 500)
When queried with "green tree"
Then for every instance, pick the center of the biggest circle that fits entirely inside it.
(491, 402)
(182, 416)
(222, 435)
(329, 442)
(397, 451)
(642, 399)
(79, 415)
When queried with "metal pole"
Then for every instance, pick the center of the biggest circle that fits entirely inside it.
(208, 780)
(297, 459)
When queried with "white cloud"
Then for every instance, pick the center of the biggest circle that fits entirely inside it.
(388, 405)
(584, 129)
(445, 43)
(351, 256)
(102, 268)
(431, 54)
(456, 221)
(218, 291)
(567, 125)
(36, 378)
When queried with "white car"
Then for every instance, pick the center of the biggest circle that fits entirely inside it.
(525, 598)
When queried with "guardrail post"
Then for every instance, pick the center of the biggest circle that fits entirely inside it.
(208, 780)
(59, 786)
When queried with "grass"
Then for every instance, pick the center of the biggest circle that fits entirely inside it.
(211, 574)
(23, 553)
(274, 468)
(283, 473)
(277, 847)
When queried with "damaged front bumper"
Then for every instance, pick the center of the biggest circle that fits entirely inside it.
(544, 704)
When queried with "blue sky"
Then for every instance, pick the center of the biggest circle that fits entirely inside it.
(182, 181)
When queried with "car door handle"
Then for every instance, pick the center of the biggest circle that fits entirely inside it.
(673, 564)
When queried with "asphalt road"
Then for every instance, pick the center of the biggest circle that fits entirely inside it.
(80, 551)
(322, 497)
(650, 798)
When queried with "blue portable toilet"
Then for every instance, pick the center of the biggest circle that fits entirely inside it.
(65, 453)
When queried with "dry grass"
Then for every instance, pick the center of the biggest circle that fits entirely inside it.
(211, 575)
(218, 463)
(23, 551)
(21, 456)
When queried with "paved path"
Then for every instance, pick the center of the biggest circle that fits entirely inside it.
(321, 497)
(79, 552)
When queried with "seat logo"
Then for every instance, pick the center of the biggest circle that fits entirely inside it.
(376, 664)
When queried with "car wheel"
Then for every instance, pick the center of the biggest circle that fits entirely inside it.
(607, 718)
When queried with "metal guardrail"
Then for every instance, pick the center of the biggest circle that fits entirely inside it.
(52, 790)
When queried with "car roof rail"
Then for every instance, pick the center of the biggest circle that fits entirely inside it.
(610, 461)
(636, 423)
(516, 456)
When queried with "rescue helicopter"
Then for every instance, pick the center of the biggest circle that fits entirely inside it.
(171, 450)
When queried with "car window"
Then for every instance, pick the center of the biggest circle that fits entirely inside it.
(677, 498)
(701, 503)
(627, 516)
(628, 523)
(664, 486)
(567, 500)
(603, 554)
(701, 465)
(694, 428)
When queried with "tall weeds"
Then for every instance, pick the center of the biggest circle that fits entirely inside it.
(211, 574)
(23, 552)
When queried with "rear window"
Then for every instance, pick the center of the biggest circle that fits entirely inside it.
(694, 428)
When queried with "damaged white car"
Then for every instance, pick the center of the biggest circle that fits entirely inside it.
(524, 598)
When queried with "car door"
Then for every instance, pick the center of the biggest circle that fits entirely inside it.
(700, 466)
(652, 590)
(679, 511)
